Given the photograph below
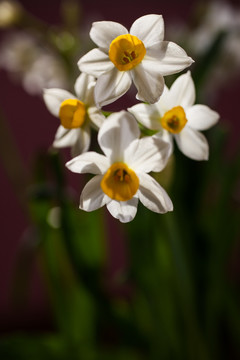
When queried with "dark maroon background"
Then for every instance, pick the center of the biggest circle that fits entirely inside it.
(33, 129)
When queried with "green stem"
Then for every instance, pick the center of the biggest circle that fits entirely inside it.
(12, 163)
(196, 343)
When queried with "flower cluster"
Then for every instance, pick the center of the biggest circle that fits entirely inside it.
(122, 172)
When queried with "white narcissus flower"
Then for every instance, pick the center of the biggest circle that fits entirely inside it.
(139, 55)
(76, 112)
(176, 116)
(122, 172)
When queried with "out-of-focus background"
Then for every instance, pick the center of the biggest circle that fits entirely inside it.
(40, 44)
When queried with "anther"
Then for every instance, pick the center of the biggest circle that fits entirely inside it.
(126, 60)
(173, 122)
(133, 55)
(127, 178)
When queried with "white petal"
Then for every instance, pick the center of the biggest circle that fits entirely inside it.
(89, 162)
(84, 86)
(164, 104)
(83, 142)
(148, 81)
(149, 29)
(172, 58)
(182, 91)
(147, 115)
(201, 117)
(54, 97)
(95, 63)
(92, 196)
(65, 137)
(150, 153)
(104, 32)
(155, 51)
(96, 116)
(192, 144)
(153, 196)
(111, 86)
(124, 211)
(167, 137)
(116, 133)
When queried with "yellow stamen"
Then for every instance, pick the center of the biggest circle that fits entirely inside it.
(174, 120)
(126, 52)
(72, 113)
(120, 182)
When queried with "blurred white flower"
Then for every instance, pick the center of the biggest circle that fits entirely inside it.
(176, 116)
(10, 12)
(218, 20)
(221, 19)
(77, 114)
(27, 61)
(139, 55)
(220, 16)
(122, 173)
(46, 71)
(18, 52)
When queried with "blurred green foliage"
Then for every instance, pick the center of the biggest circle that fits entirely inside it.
(182, 301)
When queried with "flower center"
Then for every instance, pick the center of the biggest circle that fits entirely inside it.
(119, 182)
(126, 52)
(72, 113)
(174, 120)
